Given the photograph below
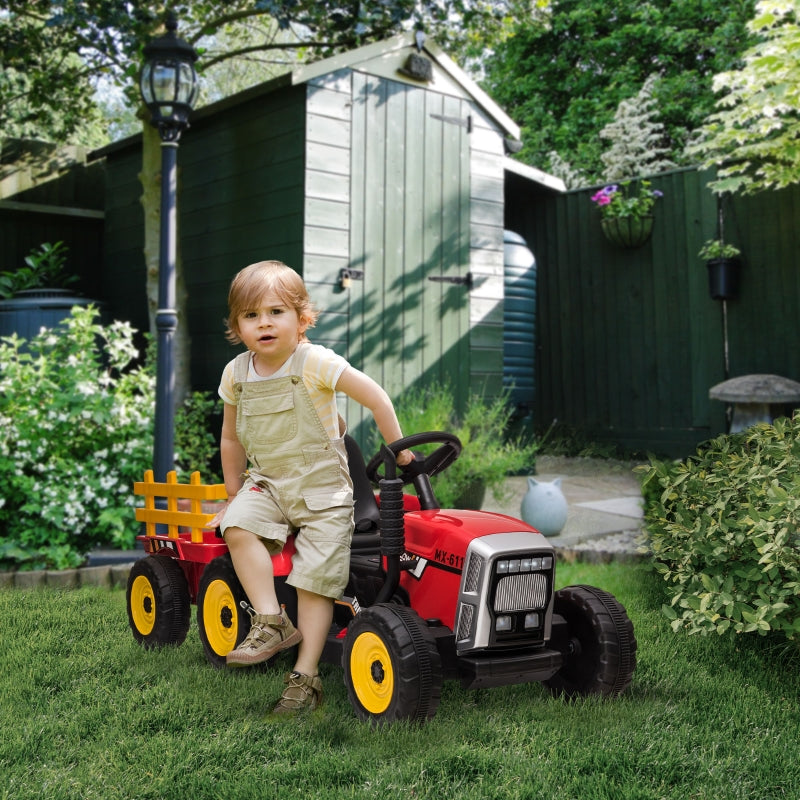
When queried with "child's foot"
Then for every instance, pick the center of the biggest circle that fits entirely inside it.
(269, 634)
(302, 693)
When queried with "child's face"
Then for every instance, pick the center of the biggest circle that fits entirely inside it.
(272, 331)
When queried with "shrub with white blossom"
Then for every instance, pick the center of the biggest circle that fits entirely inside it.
(76, 429)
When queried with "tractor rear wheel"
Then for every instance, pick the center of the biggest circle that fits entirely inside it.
(158, 601)
(221, 621)
(602, 654)
(392, 667)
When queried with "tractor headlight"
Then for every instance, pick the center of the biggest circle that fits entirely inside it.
(502, 623)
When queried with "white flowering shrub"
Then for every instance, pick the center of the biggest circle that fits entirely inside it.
(76, 429)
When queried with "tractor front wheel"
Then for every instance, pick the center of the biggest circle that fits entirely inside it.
(392, 667)
(158, 601)
(600, 647)
(221, 621)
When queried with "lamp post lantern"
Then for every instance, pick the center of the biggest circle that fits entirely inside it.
(168, 83)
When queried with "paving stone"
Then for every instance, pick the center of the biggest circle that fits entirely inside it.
(95, 576)
(30, 580)
(62, 578)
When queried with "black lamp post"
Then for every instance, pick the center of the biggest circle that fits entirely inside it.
(169, 88)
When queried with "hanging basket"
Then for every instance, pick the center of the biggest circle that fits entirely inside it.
(627, 231)
(723, 278)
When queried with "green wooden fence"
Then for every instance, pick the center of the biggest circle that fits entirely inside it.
(629, 342)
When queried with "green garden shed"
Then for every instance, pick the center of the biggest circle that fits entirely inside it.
(379, 174)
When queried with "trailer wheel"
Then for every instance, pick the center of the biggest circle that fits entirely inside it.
(392, 667)
(221, 621)
(158, 601)
(602, 646)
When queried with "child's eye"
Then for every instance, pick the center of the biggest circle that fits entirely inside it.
(276, 311)
(249, 315)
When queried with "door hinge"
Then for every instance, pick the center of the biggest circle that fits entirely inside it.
(464, 123)
(459, 280)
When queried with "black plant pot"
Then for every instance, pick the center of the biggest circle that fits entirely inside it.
(723, 278)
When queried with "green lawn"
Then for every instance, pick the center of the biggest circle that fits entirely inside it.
(87, 713)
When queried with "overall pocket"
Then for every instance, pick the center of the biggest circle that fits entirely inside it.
(266, 420)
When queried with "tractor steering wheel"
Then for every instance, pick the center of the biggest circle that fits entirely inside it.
(440, 459)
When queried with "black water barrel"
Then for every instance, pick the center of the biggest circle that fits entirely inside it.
(519, 323)
(32, 309)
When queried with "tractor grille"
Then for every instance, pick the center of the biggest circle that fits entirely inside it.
(526, 591)
(465, 621)
(473, 573)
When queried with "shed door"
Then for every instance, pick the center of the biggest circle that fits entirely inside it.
(409, 224)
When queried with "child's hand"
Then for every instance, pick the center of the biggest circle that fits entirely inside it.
(216, 520)
(404, 458)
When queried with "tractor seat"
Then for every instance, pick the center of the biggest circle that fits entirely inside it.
(366, 513)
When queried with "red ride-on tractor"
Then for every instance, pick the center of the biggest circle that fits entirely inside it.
(434, 594)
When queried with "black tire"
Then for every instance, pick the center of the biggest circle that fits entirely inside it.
(602, 652)
(392, 667)
(221, 621)
(159, 607)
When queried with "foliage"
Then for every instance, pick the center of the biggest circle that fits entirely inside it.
(563, 80)
(196, 446)
(636, 135)
(716, 248)
(43, 268)
(613, 202)
(40, 41)
(723, 529)
(488, 456)
(75, 431)
(753, 134)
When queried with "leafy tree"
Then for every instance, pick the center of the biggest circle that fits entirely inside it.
(754, 136)
(563, 80)
(635, 136)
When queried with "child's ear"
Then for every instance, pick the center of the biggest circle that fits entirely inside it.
(305, 321)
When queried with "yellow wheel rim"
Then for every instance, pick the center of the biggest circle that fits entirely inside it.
(371, 673)
(143, 605)
(220, 617)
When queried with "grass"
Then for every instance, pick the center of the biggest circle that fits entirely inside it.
(87, 713)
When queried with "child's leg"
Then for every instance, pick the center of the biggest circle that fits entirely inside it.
(253, 565)
(314, 618)
(303, 690)
(271, 630)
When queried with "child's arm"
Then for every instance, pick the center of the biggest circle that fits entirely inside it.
(369, 394)
(233, 457)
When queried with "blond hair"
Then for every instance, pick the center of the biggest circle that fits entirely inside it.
(250, 284)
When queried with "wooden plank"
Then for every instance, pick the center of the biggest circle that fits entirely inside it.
(321, 102)
(328, 158)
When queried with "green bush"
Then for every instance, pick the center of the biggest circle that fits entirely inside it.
(488, 455)
(76, 429)
(196, 444)
(723, 528)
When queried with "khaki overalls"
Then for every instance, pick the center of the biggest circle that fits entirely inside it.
(298, 481)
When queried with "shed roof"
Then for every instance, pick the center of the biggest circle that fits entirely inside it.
(386, 59)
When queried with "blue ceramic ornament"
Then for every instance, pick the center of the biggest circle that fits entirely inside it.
(544, 506)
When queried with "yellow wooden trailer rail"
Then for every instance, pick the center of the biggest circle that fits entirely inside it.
(195, 520)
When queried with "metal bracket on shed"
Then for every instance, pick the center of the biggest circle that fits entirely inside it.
(459, 280)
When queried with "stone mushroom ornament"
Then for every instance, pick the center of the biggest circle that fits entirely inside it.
(756, 398)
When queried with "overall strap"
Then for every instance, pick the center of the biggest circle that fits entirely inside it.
(241, 365)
